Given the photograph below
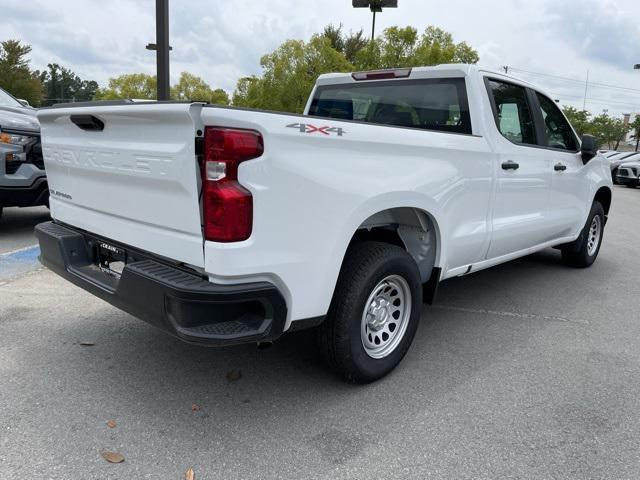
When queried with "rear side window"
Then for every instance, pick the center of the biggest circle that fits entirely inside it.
(559, 132)
(438, 104)
(513, 112)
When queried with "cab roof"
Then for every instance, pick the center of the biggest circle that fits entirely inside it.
(438, 71)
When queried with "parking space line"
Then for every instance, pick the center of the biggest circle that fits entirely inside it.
(18, 262)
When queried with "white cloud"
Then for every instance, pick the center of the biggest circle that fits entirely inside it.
(223, 40)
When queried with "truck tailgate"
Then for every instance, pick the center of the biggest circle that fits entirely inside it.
(129, 173)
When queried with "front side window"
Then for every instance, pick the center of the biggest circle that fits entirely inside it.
(438, 104)
(513, 113)
(559, 132)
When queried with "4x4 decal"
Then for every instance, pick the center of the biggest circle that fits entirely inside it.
(308, 128)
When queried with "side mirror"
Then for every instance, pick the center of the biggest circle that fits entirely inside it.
(589, 148)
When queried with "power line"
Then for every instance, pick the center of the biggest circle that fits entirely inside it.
(601, 101)
(575, 80)
(604, 100)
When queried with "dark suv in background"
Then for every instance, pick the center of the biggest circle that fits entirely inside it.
(23, 181)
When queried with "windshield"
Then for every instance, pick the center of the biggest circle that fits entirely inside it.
(7, 100)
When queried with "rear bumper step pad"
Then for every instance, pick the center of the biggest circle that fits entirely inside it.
(180, 303)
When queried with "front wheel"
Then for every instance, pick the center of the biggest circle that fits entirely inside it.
(374, 312)
(614, 176)
(584, 251)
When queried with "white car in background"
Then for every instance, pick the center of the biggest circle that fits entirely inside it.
(616, 160)
(628, 172)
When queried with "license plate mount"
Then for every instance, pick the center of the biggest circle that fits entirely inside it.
(111, 259)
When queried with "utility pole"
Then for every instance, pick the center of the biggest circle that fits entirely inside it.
(375, 6)
(506, 69)
(373, 27)
(586, 89)
(162, 48)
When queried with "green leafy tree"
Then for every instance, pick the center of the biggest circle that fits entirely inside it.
(289, 74)
(609, 131)
(580, 119)
(349, 45)
(140, 86)
(635, 128)
(602, 128)
(15, 75)
(620, 131)
(248, 92)
(191, 87)
(62, 85)
(137, 86)
(404, 47)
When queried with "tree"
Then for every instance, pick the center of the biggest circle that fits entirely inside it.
(191, 87)
(403, 47)
(15, 75)
(62, 85)
(635, 128)
(609, 131)
(129, 86)
(620, 131)
(579, 119)
(349, 45)
(140, 86)
(289, 74)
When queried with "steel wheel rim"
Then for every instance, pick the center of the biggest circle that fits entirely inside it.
(385, 317)
(593, 240)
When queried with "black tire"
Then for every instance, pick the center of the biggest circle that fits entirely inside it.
(614, 176)
(631, 185)
(577, 254)
(365, 266)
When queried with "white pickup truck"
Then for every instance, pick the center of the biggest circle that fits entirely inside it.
(226, 225)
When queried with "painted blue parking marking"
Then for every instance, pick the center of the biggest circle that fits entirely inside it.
(21, 261)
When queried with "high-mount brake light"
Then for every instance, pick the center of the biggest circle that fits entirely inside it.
(227, 206)
(382, 74)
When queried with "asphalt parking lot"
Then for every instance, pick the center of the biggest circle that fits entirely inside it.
(16, 227)
(527, 370)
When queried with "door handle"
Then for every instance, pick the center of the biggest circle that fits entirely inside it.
(510, 165)
(559, 167)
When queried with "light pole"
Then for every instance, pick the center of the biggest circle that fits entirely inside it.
(375, 6)
(162, 48)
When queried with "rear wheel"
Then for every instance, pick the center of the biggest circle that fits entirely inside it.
(374, 312)
(584, 251)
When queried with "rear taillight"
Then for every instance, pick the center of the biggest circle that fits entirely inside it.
(227, 206)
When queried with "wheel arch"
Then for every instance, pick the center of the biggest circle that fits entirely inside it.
(604, 195)
(412, 228)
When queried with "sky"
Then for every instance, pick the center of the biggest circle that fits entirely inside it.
(223, 40)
